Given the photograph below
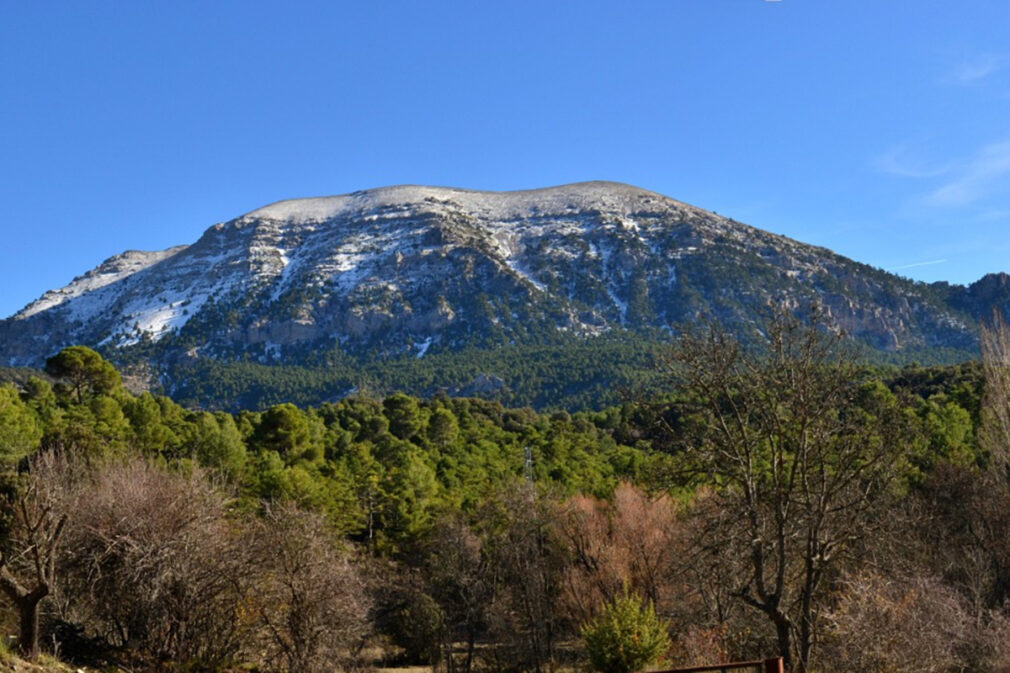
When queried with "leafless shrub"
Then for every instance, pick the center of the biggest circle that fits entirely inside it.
(898, 624)
(708, 616)
(152, 564)
(697, 646)
(309, 599)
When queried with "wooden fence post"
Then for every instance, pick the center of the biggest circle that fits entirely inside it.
(773, 665)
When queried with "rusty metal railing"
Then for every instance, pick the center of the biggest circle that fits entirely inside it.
(763, 665)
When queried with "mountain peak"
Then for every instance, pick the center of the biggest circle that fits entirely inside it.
(418, 270)
(599, 194)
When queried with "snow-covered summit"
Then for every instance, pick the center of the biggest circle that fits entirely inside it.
(603, 195)
(418, 270)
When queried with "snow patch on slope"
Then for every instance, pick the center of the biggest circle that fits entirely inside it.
(108, 272)
(422, 347)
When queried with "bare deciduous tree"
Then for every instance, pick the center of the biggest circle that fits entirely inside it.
(799, 456)
(459, 578)
(28, 568)
(994, 433)
(617, 546)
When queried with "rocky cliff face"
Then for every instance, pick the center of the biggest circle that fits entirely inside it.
(413, 270)
(989, 294)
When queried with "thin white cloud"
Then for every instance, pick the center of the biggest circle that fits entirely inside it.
(900, 162)
(974, 178)
(915, 264)
(975, 70)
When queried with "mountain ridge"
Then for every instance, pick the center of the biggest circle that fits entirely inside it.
(409, 270)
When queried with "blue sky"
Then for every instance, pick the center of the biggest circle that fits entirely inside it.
(878, 129)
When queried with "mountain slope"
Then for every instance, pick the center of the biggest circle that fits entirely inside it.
(412, 271)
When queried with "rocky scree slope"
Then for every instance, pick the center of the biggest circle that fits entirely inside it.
(413, 270)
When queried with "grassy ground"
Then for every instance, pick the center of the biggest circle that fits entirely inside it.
(45, 664)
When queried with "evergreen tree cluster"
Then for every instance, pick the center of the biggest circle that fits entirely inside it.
(381, 468)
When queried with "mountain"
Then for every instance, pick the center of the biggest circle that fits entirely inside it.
(408, 272)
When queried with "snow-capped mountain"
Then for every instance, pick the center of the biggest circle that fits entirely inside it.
(413, 270)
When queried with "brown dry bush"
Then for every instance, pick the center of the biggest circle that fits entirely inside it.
(913, 624)
(152, 564)
(617, 546)
(672, 556)
(310, 601)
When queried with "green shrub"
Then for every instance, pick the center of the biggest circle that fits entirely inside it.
(626, 637)
(415, 624)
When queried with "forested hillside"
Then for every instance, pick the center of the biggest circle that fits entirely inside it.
(567, 373)
(780, 503)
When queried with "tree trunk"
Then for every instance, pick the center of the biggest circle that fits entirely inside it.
(469, 651)
(28, 618)
(806, 633)
(783, 632)
(447, 643)
(27, 604)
